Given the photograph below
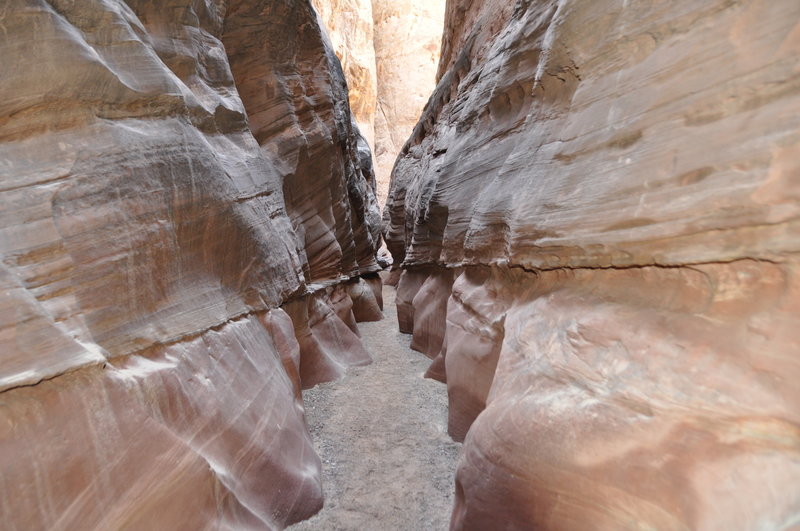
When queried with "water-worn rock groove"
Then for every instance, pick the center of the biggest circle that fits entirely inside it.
(381, 432)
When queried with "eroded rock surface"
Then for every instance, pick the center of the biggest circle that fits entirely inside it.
(173, 173)
(613, 189)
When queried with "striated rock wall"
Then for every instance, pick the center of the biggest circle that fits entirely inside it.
(186, 207)
(611, 189)
(296, 99)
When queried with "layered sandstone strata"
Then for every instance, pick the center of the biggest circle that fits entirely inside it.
(611, 191)
(174, 174)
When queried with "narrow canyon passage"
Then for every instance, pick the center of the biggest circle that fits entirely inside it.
(591, 210)
(381, 432)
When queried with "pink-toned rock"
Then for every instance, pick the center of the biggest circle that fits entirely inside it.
(172, 172)
(338, 298)
(375, 283)
(618, 185)
(638, 399)
(392, 277)
(328, 346)
(280, 327)
(296, 101)
(560, 149)
(437, 370)
(430, 311)
(204, 433)
(411, 280)
(476, 315)
(365, 306)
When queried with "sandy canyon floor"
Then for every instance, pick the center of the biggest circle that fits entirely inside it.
(381, 432)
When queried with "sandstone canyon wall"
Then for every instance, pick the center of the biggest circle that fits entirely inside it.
(390, 51)
(188, 224)
(408, 35)
(598, 219)
(350, 27)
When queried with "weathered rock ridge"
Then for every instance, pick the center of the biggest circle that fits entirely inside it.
(188, 229)
(597, 219)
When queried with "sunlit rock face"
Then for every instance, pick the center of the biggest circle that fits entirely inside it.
(613, 188)
(350, 28)
(389, 50)
(172, 174)
(408, 36)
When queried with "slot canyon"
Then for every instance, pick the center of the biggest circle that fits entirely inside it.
(400, 264)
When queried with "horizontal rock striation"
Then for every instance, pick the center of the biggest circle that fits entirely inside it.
(597, 223)
(186, 211)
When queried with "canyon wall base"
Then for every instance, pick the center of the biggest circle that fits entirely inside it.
(613, 187)
(617, 399)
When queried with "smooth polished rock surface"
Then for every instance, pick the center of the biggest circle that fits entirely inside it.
(326, 332)
(660, 398)
(430, 310)
(621, 399)
(172, 173)
(614, 187)
(207, 433)
(366, 299)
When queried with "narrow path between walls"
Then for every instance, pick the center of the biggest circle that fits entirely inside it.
(381, 432)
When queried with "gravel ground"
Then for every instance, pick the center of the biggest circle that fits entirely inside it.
(381, 431)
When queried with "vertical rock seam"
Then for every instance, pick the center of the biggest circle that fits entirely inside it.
(596, 221)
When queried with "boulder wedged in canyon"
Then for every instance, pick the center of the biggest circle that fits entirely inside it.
(173, 173)
(614, 188)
